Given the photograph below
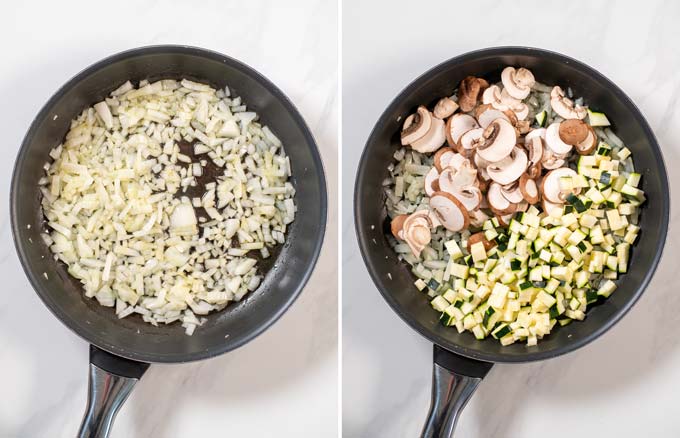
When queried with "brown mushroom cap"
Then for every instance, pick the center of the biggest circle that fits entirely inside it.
(550, 186)
(444, 108)
(500, 138)
(480, 237)
(573, 131)
(469, 92)
(529, 189)
(457, 125)
(397, 225)
(450, 211)
(589, 144)
(416, 126)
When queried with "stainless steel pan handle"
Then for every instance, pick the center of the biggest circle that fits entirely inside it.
(454, 380)
(111, 381)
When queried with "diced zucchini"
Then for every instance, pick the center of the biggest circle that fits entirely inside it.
(634, 179)
(453, 249)
(541, 118)
(597, 118)
(460, 271)
(439, 303)
(606, 288)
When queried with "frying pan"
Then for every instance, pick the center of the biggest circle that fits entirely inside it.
(121, 350)
(461, 361)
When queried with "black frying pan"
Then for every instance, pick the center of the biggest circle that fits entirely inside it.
(121, 350)
(461, 361)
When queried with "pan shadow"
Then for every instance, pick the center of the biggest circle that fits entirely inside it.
(302, 341)
(644, 341)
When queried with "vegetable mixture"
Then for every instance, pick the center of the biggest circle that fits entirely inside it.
(515, 205)
(118, 211)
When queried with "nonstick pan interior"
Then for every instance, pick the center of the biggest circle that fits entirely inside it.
(239, 322)
(394, 279)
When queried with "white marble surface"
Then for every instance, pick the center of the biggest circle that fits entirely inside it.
(626, 383)
(281, 384)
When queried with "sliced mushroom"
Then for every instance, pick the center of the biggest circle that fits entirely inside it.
(433, 139)
(430, 178)
(538, 132)
(564, 106)
(551, 162)
(550, 186)
(445, 107)
(549, 207)
(522, 206)
(499, 140)
(450, 211)
(573, 131)
(480, 237)
(469, 141)
(442, 157)
(554, 142)
(470, 197)
(529, 189)
(498, 203)
(504, 219)
(469, 92)
(492, 96)
(478, 217)
(534, 146)
(397, 226)
(486, 114)
(416, 231)
(416, 126)
(480, 162)
(523, 126)
(483, 185)
(452, 181)
(521, 111)
(512, 117)
(508, 171)
(512, 193)
(518, 82)
(588, 145)
(535, 170)
(457, 125)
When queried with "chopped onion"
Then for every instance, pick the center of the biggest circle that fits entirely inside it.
(113, 207)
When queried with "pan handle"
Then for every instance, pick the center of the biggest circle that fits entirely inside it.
(454, 380)
(111, 381)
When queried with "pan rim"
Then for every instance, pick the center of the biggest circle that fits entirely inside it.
(101, 341)
(364, 242)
